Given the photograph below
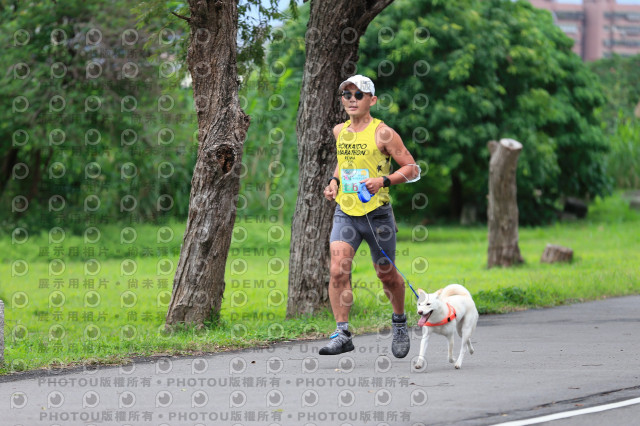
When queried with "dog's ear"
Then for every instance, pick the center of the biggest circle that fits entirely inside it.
(438, 293)
(421, 291)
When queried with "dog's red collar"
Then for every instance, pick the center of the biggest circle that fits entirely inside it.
(448, 319)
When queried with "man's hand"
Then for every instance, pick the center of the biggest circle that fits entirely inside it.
(373, 184)
(331, 191)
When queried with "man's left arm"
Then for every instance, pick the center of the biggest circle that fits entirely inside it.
(408, 170)
(392, 144)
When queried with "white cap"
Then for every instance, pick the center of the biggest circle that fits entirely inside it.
(361, 82)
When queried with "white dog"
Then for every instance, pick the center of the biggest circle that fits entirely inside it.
(443, 312)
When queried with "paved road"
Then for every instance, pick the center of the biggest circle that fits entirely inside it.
(527, 364)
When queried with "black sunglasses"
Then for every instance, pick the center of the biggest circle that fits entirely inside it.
(347, 95)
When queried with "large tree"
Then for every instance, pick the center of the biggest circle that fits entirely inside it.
(222, 126)
(332, 39)
(212, 59)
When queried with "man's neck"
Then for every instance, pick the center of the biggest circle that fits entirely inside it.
(359, 123)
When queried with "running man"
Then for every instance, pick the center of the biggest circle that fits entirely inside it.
(365, 146)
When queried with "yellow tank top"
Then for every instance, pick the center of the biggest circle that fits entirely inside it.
(359, 158)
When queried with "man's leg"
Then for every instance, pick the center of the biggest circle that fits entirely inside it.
(340, 296)
(340, 293)
(383, 226)
(392, 285)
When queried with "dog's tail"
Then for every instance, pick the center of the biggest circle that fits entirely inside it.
(454, 290)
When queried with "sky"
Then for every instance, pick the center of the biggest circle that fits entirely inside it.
(282, 5)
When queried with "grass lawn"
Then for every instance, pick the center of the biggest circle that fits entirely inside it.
(102, 297)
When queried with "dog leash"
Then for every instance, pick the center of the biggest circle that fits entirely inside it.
(385, 254)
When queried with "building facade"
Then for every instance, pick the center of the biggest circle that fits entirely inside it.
(599, 28)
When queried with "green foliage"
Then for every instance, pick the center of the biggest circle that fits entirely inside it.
(486, 72)
(153, 17)
(614, 209)
(624, 160)
(255, 32)
(254, 27)
(619, 77)
(490, 70)
(133, 136)
(450, 76)
(621, 85)
(89, 129)
(270, 151)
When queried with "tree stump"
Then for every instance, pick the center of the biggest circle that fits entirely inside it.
(502, 211)
(553, 253)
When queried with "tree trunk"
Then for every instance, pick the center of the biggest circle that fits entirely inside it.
(199, 284)
(332, 40)
(455, 197)
(8, 161)
(502, 213)
(38, 167)
(36, 175)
